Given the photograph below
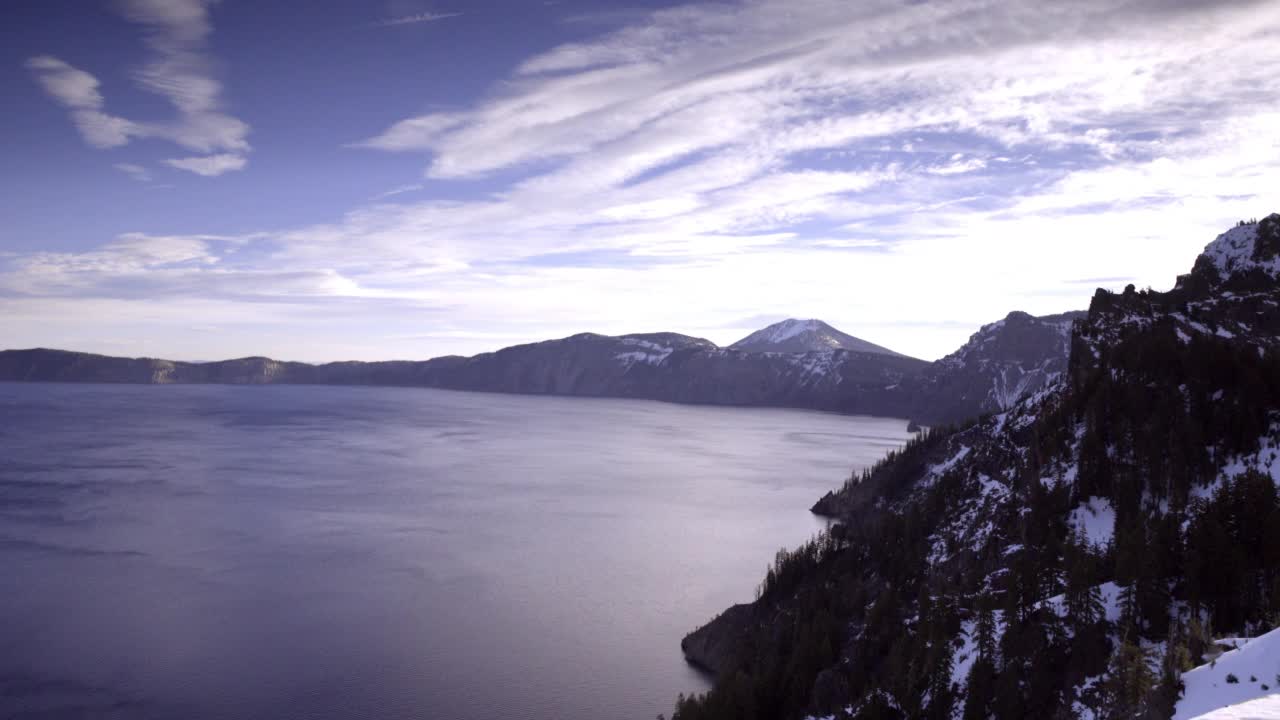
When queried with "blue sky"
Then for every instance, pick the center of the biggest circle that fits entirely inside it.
(369, 180)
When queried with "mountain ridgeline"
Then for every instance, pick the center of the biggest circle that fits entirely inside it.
(1071, 556)
(794, 363)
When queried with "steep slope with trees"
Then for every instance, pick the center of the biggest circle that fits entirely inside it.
(1069, 557)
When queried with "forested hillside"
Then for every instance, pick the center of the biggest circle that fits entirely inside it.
(1070, 557)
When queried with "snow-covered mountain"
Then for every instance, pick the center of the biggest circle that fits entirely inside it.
(1064, 557)
(798, 336)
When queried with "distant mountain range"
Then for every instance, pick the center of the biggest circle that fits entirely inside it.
(794, 363)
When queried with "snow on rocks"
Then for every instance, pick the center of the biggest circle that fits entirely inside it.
(814, 366)
(649, 352)
(937, 471)
(1266, 460)
(1006, 391)
(1232, 252)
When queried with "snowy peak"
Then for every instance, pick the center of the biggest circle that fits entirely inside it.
(801, 336)
(1247, 249)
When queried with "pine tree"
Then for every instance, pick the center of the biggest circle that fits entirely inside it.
(986, 629)
(941, 697)
(1176, 661)
(1199, 638)
(941, 660)
(1083, 596)
(1130, 682)
(979, 690)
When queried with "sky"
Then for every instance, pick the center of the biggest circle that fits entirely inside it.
(351, 179)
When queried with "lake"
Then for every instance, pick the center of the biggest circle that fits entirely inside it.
(340, 552)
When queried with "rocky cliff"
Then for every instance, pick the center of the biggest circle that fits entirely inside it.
(999, 365)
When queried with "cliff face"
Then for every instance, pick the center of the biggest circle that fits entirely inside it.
(1000, 364)
(42, 365)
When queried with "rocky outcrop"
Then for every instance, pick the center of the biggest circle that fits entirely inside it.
(714, 646)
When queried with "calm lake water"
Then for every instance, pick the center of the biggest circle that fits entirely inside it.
(327, 552)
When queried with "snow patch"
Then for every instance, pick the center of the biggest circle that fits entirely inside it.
(1096, 518)
(1266, 461)
(967, 654)
(937, 471)
(1209, 695)
(650, 353)
(814, 366)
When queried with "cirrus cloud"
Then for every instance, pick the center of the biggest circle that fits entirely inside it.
(905, 171)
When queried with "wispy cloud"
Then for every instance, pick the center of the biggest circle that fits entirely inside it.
(209, 165)
(401, 190)
(851, 161)
(415, 19)
(959, 164)
(179, 70)
(137, 172)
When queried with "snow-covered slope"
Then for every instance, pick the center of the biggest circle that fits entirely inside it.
(798, 336)
(1263, 708)
(1255, 665)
